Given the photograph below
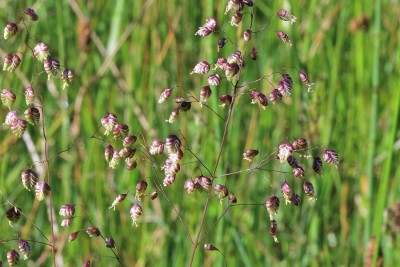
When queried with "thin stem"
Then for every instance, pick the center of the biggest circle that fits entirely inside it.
(224, 136)
(50, 208)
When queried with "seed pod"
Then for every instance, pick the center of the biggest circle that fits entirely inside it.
(205, 182)
(173, 116)
(232, 199)
(127, 152)
(172, 144)
(169, 179)
(66, 76)
(205, 93)
(7, 98)
(272, 230)
(207, 28)
(42, 190)
(285, 85)
(225, 100)
(73, 236)
(236, 58)
(208, 246)
(165, 95)
(331, 157)
(120, 130)
(275, 96)
(141, 187)
(110, 243)
(51, 66)
(32, 14)
(250, 154)
(7, 61)
(13, 215)
(304, 78)
(261, 100)
(157, 147)
(67, 222)
(29, 95)
(221, 191)
(292, 161)
(135, 212)
(253, 53)
(298, 171)
(108, 122)
(67, 210)
(284, 151)
(231, 70)
(247, 35)
(201, 68)
(286, 192)
(284, 37)
(12, 257)
(93, 231)
(41, 52)
(185, 106)
(221, 43)
(114, 162)
(295, 199)
(29, 179)
(15, 62)
(189, 186)
(18, 127)
(286, 16)
(153, 195)
(317, 165)
(24, 248)
(214, 79)
(300, 144)
(234, 6)
(117, 200)
(220, 64)
(32, 115)
(129, 164)
(309, 191)
(236, 19)
(129, 140)
(272, 206)
(176, 156)
(11, 116)
(10, 30)
(108, 153)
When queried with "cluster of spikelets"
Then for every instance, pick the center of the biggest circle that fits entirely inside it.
(113, 156)
(18, 124)
(287, 153)
(120, 134)
(11, 62)
(231, 67)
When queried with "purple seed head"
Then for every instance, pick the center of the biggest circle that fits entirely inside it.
(93, 231)
(67, 210)
(110, 243)
(12, 257)
(24, 248)
(317, 165)
(201, 67)
(10, 30)
(165, 95)
(42, 190)
(32, 14)
(247, 35)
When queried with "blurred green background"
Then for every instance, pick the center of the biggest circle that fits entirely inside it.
(125, 53)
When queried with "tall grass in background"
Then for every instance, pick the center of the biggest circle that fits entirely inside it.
(125, 53)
